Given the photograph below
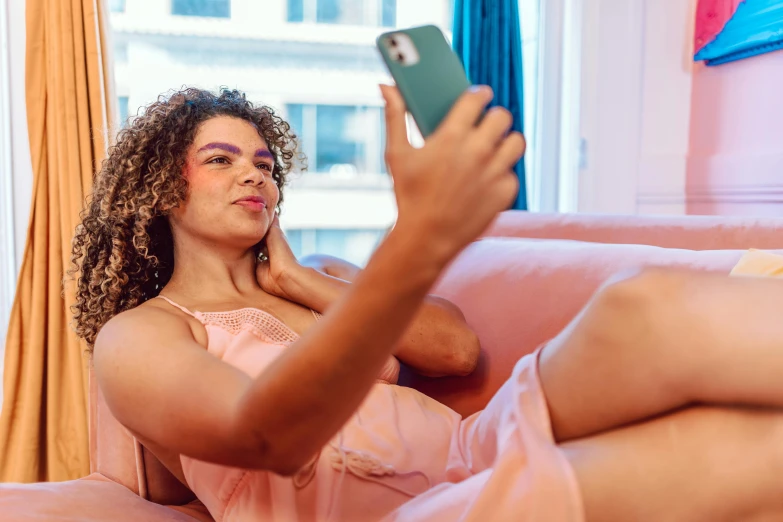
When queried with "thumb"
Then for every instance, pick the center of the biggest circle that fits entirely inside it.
(396, 128)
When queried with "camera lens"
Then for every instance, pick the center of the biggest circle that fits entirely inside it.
(392, 42)
(400, 58)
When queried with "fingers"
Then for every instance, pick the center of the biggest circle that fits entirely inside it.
(495, 125)
(396, 129)
(508, 153)
(466, 112)
(273, 234)
(509, 189)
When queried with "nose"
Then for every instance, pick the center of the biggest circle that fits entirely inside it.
(253, 176)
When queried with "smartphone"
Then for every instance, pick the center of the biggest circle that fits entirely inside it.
(428, 74)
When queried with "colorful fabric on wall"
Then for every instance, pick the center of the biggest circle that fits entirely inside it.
(729, 30)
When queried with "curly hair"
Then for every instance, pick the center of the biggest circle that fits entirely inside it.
(123, 251)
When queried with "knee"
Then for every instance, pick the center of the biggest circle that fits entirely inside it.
(640, 309)
(643, 296)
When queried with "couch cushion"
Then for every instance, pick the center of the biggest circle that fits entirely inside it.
(518, 293)
(92, 499)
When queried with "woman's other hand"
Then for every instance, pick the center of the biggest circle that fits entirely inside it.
(452, 188)
(278, 267)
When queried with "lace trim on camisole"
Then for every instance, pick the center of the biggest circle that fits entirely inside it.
(263, 324)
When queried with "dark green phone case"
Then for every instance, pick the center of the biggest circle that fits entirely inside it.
(431, 86)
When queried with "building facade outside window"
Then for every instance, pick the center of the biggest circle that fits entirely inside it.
(315, 63)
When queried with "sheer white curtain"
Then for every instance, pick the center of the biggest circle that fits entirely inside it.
(16, 176)
(7, 256)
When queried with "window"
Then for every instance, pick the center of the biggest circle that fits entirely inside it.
(122, 109)
(320, 75)
(354, 246)
(117, 6)
(348, 12)
(208, 8)
(343, 140)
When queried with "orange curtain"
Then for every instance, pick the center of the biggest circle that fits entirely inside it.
(44, 424)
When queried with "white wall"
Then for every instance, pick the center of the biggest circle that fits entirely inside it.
(635, 105)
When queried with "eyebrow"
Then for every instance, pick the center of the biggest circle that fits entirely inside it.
(233, 149)
(264, 153)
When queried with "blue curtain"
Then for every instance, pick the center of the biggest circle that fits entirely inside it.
(488, 40)
(755, 28)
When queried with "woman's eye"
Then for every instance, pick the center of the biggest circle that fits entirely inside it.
(218, 160)
(264, 166)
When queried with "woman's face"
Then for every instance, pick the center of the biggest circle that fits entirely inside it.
(231, 194)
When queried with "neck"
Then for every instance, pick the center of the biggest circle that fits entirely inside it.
(209, 272)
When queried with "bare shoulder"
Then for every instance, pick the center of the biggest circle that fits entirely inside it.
(151, 323)
(147, 316)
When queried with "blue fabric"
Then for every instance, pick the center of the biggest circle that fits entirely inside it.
(488, 40)
(755, 28)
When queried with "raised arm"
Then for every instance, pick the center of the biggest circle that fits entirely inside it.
(166, 388)
(437, 343)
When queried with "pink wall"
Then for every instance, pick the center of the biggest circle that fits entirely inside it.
(735, 163)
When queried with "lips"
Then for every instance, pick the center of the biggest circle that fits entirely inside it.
(253, 203)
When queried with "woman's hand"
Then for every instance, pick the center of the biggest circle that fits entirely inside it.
(452, 188)
(278, 268)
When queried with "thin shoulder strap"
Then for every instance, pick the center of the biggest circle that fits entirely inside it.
(175, 305)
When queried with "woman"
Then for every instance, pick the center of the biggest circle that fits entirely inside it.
(209, 345)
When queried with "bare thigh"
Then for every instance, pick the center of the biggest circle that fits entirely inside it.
(699, 464)
(662, 340)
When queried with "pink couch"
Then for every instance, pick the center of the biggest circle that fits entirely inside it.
(516, 292)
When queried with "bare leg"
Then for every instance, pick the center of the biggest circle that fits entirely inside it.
(698, 464)
(658, 341)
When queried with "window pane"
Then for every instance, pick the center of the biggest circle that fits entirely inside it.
(294, 117)
(211, 8)
(295, 10)
(122, 108)
(389, 13)
(117, 6)
(294, 238)
(339, 139)
(340, 12)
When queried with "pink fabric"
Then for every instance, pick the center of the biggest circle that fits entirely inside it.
(91, 499)
(519, 293)
(401, 456)
(689, 232)
(515, 294)
(711, 18)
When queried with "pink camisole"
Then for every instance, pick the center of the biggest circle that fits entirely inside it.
(402, 456)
